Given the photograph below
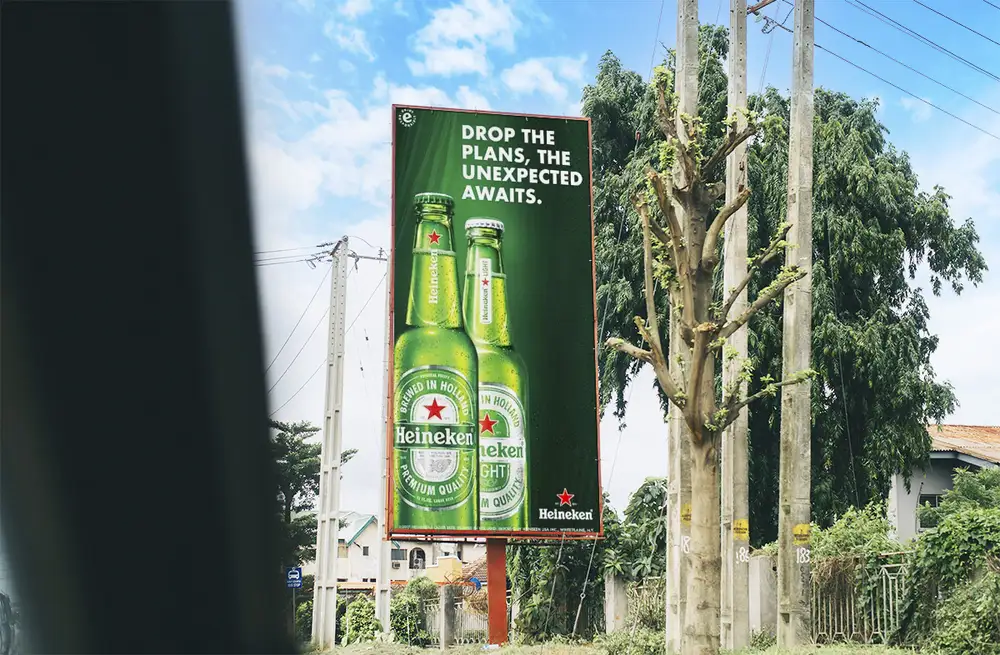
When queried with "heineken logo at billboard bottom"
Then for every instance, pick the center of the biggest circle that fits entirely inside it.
(502, 453)
(565, 498)
(435, 440)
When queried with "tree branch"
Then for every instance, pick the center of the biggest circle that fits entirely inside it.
(664, 198)
(788, 276)
(733, 140)
(672, 390)
(635, 352)
(709, 252)
(653, 334)
(768, 253)
(734, 407)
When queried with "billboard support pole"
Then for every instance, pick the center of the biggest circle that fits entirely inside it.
(324, 627)
(383, 583)
(496, 589)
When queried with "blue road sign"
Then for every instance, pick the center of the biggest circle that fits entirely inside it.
(293, 577)
(477, 583)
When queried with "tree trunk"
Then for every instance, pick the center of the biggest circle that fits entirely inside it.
(701, 624)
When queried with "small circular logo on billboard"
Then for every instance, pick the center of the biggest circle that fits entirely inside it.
(407, 118)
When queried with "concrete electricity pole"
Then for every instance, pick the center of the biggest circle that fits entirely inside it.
(735, 612)
(324, 627)
(794, 580)
(679, 439)
(383, 583)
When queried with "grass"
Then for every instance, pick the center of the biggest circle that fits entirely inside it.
(586, 649)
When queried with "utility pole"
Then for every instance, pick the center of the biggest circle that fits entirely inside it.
(794, 580)
(679, 439)
(735, 611)
(383, 582)
(324, 627)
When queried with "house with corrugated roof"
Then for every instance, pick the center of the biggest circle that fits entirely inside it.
(953, 447)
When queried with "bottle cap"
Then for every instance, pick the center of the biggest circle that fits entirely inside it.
(433, 199)
(488, 223)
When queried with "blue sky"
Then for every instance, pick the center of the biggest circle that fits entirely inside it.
(319, 76)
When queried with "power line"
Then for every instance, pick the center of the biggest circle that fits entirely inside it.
(894, 85)
(864, 8)
(991, 4)
(276, 258)
(308, 380)
(902, 63)
(301, 316)
(367, 301)
(304, 344)
(313, 374)
(266, 252)
(656, 39)
(959, 23)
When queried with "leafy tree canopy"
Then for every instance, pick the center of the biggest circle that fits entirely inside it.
(875, 390)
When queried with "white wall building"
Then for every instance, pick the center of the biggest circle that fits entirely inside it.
(359, 539)
(953, 447)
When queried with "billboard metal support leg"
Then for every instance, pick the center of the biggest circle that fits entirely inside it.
(496, 589)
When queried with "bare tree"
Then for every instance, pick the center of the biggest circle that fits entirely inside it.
(681, 250)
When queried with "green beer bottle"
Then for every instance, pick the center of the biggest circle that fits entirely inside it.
(503, 383)
(435, 380)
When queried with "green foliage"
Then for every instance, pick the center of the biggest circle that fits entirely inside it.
(303, 621)
(423, 588)
(963, 550)
(633, 641)
(971, 490)
(641, 539)
(547, 581)
(407, 621)
(968, 621)
(361, 622)
(858, 533)
(875, 391)
(762, 640)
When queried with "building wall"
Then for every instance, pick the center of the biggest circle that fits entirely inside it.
(439, 559)
(902, 506)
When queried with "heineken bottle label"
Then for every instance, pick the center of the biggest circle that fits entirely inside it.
(485, 291)
(435, 438)
(502, 453)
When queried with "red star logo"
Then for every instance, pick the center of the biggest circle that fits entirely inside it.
(434, 410)
(486, 424)
(434, 236)
(565, 497)
(486, 282)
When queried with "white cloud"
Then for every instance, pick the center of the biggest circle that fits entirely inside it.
(551, 76)
(470, 99)
(355, 8)
(349, 38)
(919, 111)
(315, 57)
(346, 66)
(308, 5)
(457, 38)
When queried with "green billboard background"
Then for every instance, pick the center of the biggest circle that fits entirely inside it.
(547, 251)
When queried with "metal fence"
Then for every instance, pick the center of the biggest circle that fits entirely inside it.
(471, 621)
(647, 603)
(859, 603)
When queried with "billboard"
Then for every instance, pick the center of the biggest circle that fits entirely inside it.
(493, 408)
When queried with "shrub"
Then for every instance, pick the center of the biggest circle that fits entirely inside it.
(971, 490)
(361, 622)
(423, 588)
(637, 641)
(407, 620)
(303, 621)
(939, 608)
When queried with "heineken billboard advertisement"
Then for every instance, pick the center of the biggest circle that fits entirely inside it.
(493, 426)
